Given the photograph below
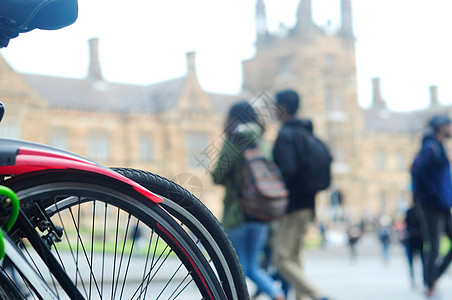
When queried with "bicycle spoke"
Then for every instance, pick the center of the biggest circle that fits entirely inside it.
(122, 255)
(88, 261)
(114, 256)
(186, 285)
(146, 264)
(77, 270)
(169, 281)
(148, 278)
(103, 250)
(130, 257)
(31, 259)
(92, 249)
(78, 243)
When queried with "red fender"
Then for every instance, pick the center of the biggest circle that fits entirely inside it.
(17, 158)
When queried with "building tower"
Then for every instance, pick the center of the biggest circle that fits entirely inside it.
(304, 17)
(261, 21)
(321, 67)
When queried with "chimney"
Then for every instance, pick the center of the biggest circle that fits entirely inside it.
(377, 101)
(346, 30)
(191, 66)
(94, 71)
(434, 96)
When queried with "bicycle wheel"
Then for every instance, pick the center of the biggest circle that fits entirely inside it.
(110, 240)
(194, 216)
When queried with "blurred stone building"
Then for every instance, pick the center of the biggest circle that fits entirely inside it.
(174, 128)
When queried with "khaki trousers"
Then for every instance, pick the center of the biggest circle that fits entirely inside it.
(288, 242)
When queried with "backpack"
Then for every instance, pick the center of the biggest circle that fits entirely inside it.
(314, 162)
(263, 194)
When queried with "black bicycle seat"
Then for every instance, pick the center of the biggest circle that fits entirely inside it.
(17, 16)
(42, 14)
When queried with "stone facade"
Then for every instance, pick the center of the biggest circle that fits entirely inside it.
(163, 128)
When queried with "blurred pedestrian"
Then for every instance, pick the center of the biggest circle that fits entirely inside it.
(353, 234)
(432, 188)
(412, 240)
(384, 234)
(322, 231)
(289, 151)
(243, 128)
(135, 233)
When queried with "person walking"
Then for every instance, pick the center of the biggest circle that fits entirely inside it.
(243, 129)
(353, 236)
(290, 230)
(432, 188)
(413, 242)
(385, 235)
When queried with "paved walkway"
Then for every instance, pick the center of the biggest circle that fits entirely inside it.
(367, 277)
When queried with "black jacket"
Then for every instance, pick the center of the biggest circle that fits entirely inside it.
(286, 157)
(431, 175)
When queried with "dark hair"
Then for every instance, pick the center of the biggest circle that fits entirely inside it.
(437, 121)
(289, 99)
(240, 113)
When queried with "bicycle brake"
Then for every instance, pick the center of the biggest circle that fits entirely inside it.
(44, 224)
(53, 236)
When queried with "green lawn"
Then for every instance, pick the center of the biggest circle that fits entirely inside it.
(98, 246)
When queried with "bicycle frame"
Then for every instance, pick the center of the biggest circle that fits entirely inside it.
(20, 157)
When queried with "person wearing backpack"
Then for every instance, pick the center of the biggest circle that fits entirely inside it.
(432, 192)
(248, 234)
(305, 174)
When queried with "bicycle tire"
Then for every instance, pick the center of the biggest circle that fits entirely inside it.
(77, 193)
(192, 213)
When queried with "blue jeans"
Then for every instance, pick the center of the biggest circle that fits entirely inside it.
(249, 241)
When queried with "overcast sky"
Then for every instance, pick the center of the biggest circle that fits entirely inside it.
(404, 42)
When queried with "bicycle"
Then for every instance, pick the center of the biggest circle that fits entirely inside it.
(80, 226)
